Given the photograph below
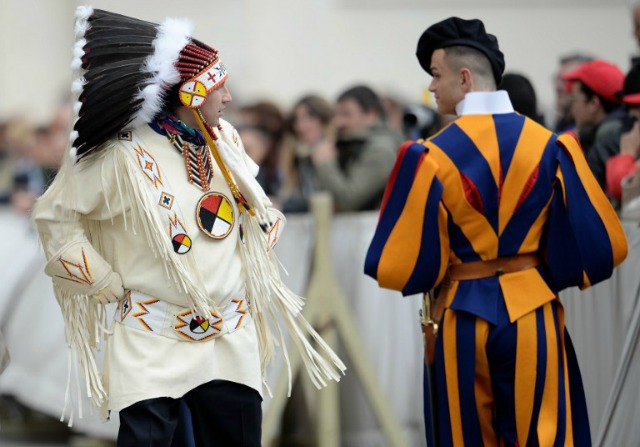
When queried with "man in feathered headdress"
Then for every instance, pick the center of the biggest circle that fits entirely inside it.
(156, 208)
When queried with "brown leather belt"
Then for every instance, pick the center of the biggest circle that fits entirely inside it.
(493, 267)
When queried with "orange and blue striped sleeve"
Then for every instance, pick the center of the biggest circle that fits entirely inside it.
(410, 247)
(585, 240)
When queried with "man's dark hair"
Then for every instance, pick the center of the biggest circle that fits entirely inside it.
(317, 106)
(460, 56)
(522, 95)
(172, 99)
(607, 105)
(575, 57)
(366, 98)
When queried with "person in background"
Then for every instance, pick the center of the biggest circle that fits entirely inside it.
(394, 106)
(522, 95)
(27, 180)
(6, 165)
(309, 126)
(264, 113)
(4, 354)
(422, 121)
(261, 127)
(496, 214)
(595, 107)
(355, 168)
(635, 16)
(563, 119)
(54, 142)
(259, 144)
(622, 168)
(30, 156)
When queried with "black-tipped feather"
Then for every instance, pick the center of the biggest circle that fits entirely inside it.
(102, 115)
(106, 17)
(96, 135)
(101, 93)
(113, 70)
(118, 42)
(100, 32)
(116, 50)
(103, 56)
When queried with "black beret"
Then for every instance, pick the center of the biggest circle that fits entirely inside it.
(455, 31)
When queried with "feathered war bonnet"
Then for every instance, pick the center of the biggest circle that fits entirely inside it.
(125, 68)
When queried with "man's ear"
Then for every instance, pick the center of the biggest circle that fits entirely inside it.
(466, 80)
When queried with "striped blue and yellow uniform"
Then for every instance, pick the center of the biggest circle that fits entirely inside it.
(485, 187)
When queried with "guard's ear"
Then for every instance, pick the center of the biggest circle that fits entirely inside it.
(466, 80)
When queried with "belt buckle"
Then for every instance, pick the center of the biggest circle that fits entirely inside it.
(196, 328)
(499, 271)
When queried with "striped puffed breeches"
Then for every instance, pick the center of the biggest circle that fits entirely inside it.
(508, 384)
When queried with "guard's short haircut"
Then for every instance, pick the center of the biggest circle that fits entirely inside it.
(460, 56)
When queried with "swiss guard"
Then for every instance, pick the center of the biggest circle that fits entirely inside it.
(491, 218)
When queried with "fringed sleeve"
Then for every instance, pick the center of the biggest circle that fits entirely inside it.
(585, 240)
(83, 280)
(410, 248)
(73, 263)
(274, 307)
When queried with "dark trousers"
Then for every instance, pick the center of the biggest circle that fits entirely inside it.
(223, 414)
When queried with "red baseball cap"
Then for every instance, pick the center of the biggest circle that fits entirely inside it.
(604, 78)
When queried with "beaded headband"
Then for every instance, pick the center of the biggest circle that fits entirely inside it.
(202, 71)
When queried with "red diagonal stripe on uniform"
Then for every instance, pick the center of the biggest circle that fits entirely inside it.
(531, 182)
(472, 194)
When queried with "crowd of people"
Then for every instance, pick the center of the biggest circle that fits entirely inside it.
(347, 145)
(297, 146)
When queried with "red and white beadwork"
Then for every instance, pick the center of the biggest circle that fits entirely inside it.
(193, 93)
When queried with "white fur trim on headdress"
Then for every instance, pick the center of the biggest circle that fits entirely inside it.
(78, 53)
(73, 154)
(77, 85)
(173, 35)
(83, 13)
(82, 20)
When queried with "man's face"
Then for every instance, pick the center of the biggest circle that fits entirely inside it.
(563, 95)
(446, 84)
(636, 23)
(583, 110)
(350, 118)
(214, 106)
(307, 127)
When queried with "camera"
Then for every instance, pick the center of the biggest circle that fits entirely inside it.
(419, 121)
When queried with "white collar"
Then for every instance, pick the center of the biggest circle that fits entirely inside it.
(483, 103)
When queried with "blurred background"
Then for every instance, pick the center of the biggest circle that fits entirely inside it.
(280, 49)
